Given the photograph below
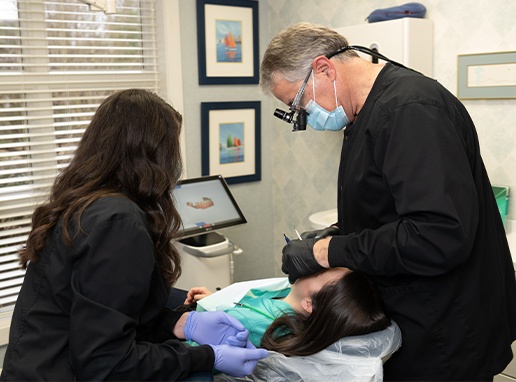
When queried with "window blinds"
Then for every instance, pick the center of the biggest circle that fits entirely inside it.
(58, 61)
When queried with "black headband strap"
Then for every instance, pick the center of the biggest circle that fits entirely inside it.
(362, 49)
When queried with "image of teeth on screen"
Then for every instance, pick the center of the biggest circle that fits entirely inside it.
(206, 204)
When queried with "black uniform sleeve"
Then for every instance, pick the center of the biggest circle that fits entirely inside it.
(423, 161)
(113, 276)
(160, 330)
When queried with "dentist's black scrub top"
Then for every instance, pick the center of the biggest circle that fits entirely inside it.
(417, 212)
(95, 310)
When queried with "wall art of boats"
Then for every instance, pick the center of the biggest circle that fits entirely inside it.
(229, 42)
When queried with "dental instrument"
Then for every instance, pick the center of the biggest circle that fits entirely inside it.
(297, 233)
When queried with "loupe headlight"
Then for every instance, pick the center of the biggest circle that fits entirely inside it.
(298, 120)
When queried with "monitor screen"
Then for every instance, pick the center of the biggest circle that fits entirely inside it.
(206, 204)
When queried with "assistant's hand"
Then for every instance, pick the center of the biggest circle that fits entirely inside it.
(215, 328)
(196, 294)
(320, 233)
(298, 259)
(237, 361)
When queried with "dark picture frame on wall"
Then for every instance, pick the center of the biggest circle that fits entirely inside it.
(486, 75)
(227, 42)
(231, 140)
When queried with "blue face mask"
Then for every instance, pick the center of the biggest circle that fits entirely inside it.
(321, 119)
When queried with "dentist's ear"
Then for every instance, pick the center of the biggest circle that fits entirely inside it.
(323, 65)
(306, 304)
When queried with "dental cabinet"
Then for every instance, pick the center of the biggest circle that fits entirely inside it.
(206, 260)
(408, 41)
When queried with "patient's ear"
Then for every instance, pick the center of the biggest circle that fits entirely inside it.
(306, 304)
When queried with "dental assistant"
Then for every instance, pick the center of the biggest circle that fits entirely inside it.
(100, 264)
(416, 209)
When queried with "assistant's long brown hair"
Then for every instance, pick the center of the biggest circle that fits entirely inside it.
(131, 147)
(347, 307)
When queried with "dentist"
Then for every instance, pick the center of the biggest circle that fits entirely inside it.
(415, 206)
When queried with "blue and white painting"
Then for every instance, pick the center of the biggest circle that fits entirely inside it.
(231, 142)
(229, 40)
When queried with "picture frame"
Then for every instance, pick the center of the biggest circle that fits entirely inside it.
(227, 42)
(486, 75)
(231, 140)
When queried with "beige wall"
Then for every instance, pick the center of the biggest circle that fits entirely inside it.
(254, 198)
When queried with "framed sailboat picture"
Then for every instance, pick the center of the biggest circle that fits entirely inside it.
(227, 34)
(230, 140)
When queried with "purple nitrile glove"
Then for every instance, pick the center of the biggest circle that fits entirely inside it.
(237, 361)
(241, 340)
(214, 328)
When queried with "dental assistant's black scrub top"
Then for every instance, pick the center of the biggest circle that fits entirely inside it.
(95, 310)
(417, 212)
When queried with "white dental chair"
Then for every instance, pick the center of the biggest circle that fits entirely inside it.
(358, 358)
(354, 359)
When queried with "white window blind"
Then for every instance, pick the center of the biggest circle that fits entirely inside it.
(58, 61)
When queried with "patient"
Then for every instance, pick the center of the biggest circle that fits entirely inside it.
(312, 314)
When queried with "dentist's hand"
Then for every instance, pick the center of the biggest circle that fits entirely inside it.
(320, 233)
(237, 361)
(215, 328)
(298, 259)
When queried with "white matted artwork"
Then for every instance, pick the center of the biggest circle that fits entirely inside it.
(227, 33)
(230, 140)
(487, 75)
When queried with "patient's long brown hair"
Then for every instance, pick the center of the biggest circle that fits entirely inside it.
(347, 307)
(131, 147)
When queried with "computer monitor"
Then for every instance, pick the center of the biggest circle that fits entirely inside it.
(205, 204)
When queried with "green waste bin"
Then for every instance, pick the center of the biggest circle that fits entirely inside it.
(501, 194)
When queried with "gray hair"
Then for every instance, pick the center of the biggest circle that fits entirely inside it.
(291, 52)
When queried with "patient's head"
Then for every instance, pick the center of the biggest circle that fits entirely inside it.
(302, 291)
(349, 306)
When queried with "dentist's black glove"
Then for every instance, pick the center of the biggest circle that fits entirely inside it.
(298, 259)
(320, 233)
